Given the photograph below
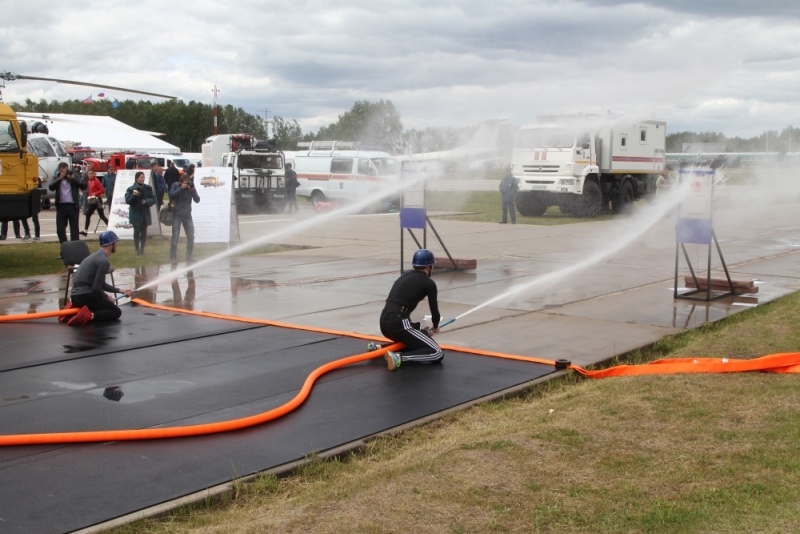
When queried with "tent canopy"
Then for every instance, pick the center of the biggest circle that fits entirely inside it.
(101, 133)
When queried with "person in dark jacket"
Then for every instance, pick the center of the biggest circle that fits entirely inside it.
(89, 290)
(140, 197)
(406, 293)
(108, 184)
(182, 194)
(171, 175)
(159, 184)
(67, 187)
(291, 189)
(508, 191)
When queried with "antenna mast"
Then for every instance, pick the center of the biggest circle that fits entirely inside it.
(215, 92)
(266, 121)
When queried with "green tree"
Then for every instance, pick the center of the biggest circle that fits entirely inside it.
(370, 123)
(287, 132)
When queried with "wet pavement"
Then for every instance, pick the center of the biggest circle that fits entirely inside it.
(585, 292)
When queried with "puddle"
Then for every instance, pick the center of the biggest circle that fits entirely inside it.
(141, 390)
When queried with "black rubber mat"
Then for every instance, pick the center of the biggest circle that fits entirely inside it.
(163, 369)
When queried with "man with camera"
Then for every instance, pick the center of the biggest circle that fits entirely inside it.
(182, 194)
(67, 187)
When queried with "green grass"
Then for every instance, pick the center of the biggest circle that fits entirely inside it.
(662, 454)
(485, 206)
(29, 259)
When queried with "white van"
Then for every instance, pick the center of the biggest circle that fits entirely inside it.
(180, 160)
(340, 171)
(50, 152)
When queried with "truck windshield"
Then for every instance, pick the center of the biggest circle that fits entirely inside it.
(385, 166)
(260, 161)
(8, 143)
(545, 138)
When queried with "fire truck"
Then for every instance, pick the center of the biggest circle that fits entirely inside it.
(19, 170)
(258, 170)
(586, 165)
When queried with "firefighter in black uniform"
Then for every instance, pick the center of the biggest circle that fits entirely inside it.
(406, 293)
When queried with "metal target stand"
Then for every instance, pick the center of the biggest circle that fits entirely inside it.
(695, 226)
(413, 215)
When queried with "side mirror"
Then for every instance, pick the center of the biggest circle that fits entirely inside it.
(23, 133)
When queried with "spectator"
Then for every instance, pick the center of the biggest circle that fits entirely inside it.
(181, 195)
(108, 184)
(94, 202)
(171, 175)
(140, 197)
(15, 223)
(291, 189)
(67, 186)
(157, 179)
(508, 190)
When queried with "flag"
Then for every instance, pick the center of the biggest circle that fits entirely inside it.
(101, 95)
(115, 104)
(88, 100)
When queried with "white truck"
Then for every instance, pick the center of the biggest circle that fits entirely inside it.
(343, 171)
(258, 170)
(584, 164)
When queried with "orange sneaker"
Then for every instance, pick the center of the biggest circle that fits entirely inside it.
(82, 317)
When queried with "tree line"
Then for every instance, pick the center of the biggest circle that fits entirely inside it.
(188, 124)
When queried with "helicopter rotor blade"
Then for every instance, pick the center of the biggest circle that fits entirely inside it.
(11, 76)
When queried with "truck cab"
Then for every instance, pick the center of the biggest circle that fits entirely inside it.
(258, 177)
(19, 174)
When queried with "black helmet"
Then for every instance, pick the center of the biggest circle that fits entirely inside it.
(423, 258)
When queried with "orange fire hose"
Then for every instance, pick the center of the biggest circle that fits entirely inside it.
(777, 363)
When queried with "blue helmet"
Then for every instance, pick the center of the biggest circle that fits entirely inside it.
(108, 237)
(423, 258)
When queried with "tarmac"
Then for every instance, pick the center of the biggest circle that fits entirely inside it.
(583, 292)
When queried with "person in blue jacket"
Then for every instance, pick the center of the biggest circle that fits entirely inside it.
(140, 197)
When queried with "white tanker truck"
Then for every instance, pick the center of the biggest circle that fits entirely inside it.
(587, 165)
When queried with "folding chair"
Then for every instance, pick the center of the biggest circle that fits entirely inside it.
(73, 253)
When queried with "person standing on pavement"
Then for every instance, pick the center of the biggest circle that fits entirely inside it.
(90, 286)
(171, 175)
(108, 184)
(139, 197)
(406, 293)
(182, 194)
(94, 202)
(291, 189)
(15, 225)
(159, 185)
(508, 191)
(67, 187)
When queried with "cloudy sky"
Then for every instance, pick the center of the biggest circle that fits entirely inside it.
(701, 65)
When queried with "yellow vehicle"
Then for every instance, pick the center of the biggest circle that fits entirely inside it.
(19, 170)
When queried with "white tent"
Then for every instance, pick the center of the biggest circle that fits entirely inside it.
(103, 134)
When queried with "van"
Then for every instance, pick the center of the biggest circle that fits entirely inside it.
(342, 172)
(180, 161)
(50, 152)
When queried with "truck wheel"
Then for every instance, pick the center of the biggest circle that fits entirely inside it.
(591, 201)
(530, 204)
(623, 201)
